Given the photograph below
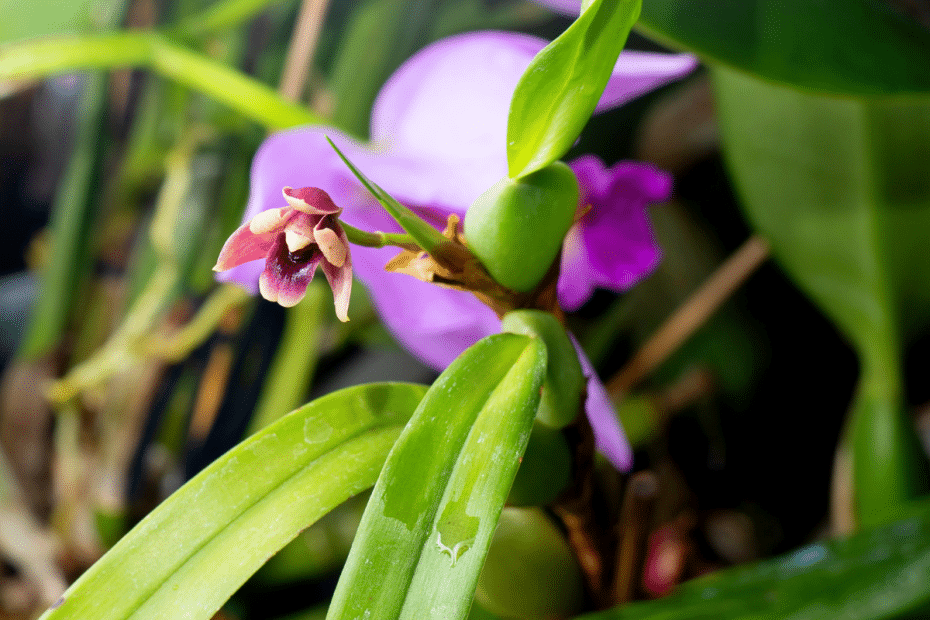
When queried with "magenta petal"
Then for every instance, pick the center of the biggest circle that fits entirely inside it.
(637, 73)
(571, 8)
(302, 158)
(450, 100)
(621, 247)
(609, 438)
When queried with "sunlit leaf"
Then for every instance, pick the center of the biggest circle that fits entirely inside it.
(428, 525)
(188, 556)
(560, 89)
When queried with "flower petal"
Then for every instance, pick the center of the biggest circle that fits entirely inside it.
(272, 220)
(450, 102)
(613, 245)
(340, 278)
(637, 73)
(310, 200)
(621, 247)
(571, 8)
(334, 248)
(609, 438)
(469, 79)
(241, 247)
(302, 157)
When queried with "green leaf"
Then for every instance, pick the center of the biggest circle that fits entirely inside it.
(853, 47)
(425, 235)
(47, 17)
(426, 530)
(154, 51)
(876, 574)
(560, 89)
(193, 551)
(840, 189)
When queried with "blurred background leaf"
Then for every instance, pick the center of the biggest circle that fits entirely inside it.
(857, 47)
(840, 189)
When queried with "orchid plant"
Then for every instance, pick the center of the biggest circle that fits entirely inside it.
(439, 168)
(475, 242)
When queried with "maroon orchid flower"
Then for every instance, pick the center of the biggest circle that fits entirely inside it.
(294, 240)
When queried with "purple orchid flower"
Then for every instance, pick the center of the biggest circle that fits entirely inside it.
(438, 136)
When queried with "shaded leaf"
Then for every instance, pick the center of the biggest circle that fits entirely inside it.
(876, 574)
(853, 47)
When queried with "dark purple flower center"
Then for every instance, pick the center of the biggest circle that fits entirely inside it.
(304, 255)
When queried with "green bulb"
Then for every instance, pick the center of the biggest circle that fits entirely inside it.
(517, 226)
(530, 572)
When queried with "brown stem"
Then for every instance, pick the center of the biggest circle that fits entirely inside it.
(691, 315)
(632, 531)
(304, 38)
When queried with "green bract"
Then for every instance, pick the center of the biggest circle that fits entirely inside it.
(565, 381)
(560, 89)
(516, 228)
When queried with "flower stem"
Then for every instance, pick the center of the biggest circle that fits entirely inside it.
(379, 239)
(151, 50)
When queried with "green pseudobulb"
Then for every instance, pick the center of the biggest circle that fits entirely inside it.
(516, 227)
(530, 572)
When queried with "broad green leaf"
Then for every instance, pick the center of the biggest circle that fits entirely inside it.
(193, 551)
(427, 527)
(882, 573)
(841, 189)
(855, 47)
(560, 89)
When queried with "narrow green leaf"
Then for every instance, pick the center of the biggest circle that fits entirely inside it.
(154, 51)
(73, 217)
(193, 551)
(560, 89)
(425, 235)
(877, 574)
(425, 533)
(859, 47)
(840, 189)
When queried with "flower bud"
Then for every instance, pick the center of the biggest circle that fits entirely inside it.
(516, 227)
(530, 572)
